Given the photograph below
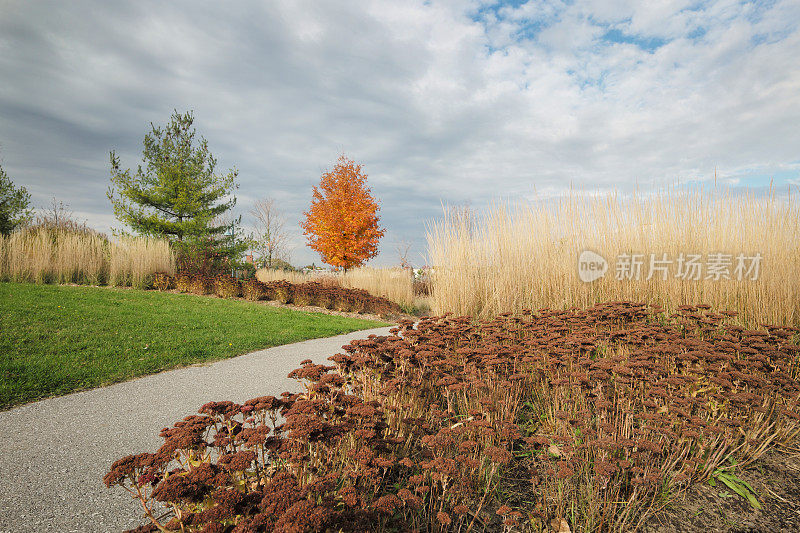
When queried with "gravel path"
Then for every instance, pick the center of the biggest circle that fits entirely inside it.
(56, 451)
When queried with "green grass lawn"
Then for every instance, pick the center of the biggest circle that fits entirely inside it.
(58, 339)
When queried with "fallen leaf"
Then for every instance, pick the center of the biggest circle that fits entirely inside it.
(560, 525)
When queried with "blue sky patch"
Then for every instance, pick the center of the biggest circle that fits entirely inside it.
(649, 44)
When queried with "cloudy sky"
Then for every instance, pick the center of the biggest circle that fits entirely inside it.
(454, 102)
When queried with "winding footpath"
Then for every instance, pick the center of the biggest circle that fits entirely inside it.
(55, 452)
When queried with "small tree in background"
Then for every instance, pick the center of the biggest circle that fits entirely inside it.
(14, 205)
(342, 224)
(402, 248)
(270, 236)
(177, 195)
(59, 217)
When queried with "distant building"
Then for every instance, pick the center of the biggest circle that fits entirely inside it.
(313, 269)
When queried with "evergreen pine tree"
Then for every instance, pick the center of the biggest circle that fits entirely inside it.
(177, 194)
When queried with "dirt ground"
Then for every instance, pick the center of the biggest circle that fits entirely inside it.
(776, 480)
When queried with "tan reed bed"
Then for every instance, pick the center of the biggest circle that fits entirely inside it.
(526, 256)
(134, 260)
(395, 284)
(80, 258)
(266, 275)
(86, 257)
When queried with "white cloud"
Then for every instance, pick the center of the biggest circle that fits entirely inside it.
(441, 101)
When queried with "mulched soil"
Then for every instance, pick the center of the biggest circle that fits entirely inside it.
(314, 309)
(706, 509)
(776, 480)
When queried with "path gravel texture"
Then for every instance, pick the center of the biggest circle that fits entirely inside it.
(55, 452)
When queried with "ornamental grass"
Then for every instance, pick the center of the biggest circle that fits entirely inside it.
(519, 256)
(395, 284)
(61, 255)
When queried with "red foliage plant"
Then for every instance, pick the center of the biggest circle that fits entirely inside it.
(183, 282)
(163, 281)
(601, 410)
(254, 290)
(309, 293)
(227, 287)
(201, 285)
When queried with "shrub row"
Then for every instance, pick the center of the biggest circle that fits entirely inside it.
(596, 414)
(304, 294)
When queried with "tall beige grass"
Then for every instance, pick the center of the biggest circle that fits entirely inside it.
(59, 256)
(525, 257)
(134, 260)
(395, 284)
(79, 258)
(272, 274)
(28, 257)
(3, 259)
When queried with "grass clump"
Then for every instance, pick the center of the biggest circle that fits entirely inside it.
(58, 339)
(45, 254)
(593, 416)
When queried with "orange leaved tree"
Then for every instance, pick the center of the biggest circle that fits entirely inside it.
(342, 224)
